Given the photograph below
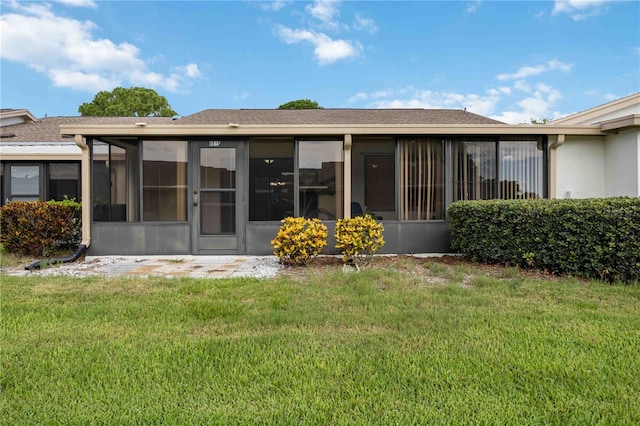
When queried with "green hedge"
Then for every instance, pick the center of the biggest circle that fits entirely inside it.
(38, 228)
(595, 238)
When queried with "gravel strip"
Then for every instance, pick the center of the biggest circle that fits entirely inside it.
(256, 267)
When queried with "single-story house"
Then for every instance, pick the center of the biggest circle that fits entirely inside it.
(36, 161)
(220, 181)
(604, 165)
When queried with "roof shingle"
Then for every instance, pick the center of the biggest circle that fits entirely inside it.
(333, 117)
(48, 129)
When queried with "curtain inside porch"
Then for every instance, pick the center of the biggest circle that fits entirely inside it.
(421, 180)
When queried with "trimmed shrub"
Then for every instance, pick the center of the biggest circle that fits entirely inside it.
(39, 228)
(359, 238)
(595, 238)
(299, 240)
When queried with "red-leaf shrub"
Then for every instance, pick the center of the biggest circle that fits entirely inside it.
(38, 228)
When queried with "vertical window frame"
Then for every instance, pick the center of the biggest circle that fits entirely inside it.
(26, 197)
(181, 198)
(405, 196)
(78, 179)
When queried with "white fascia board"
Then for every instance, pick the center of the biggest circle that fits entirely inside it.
(600, 111)
(632, 120)
(360, 129)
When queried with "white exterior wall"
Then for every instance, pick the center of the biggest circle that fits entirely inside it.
(580, 168)
(622, 157)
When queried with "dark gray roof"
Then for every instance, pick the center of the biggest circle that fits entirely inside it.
(48, 129)
(334, 116)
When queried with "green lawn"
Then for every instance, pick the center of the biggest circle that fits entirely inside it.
(435, 345)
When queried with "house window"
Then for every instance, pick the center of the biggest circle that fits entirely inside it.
(320, 174)
(474, 170)
(421, 179)
(164, 181)
(217, 191)
(521, 169)
(480, 169)
(271, 193)
(373, 177)
(24, 182)
(272, 179)
(63, 181)
(114, 177)
(511, 168)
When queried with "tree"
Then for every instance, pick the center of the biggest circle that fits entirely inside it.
(543, 120)
(301, 104)
(131, 102)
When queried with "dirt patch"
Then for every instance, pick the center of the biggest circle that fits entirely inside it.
(439, 268)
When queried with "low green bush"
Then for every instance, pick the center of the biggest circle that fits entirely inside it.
(359, 238)
(597, 238)
(39, 228)
(299, 240)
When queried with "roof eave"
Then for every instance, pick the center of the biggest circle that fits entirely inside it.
(16, 156)
(598, 111)
(309, 130)
(11, 113)
(621, 123)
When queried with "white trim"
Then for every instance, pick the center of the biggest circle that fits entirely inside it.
(632, 120)
(594, 113)
(319, 129)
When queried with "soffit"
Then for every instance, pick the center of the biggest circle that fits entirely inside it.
(594, 115)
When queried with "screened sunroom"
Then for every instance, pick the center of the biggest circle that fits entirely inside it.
(198, 186)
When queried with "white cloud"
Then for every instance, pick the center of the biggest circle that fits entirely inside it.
(81, 81)
(473, 6)
(326, 50)
(241, 96)
(537, 103)
(579, 10)
(528, 71)
(362, 96)
(71, 56)
(78, 3)
(517, 101)
(597, 94)
(324, 10)
(364, 24)
(274, 5)
(191, 70)
(409, 97)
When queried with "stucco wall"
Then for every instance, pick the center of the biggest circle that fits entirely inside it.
(581, 167)
(622, 154)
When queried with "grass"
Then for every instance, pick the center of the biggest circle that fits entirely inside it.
(11, 260)
(450, 345)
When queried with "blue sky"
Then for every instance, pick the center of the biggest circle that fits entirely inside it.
(509, 60)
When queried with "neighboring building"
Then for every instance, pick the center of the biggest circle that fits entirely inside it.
(604, 165)
(220, 181)
(36, 162)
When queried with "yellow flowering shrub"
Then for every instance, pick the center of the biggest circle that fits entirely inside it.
(299, 240)
(359, 238)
